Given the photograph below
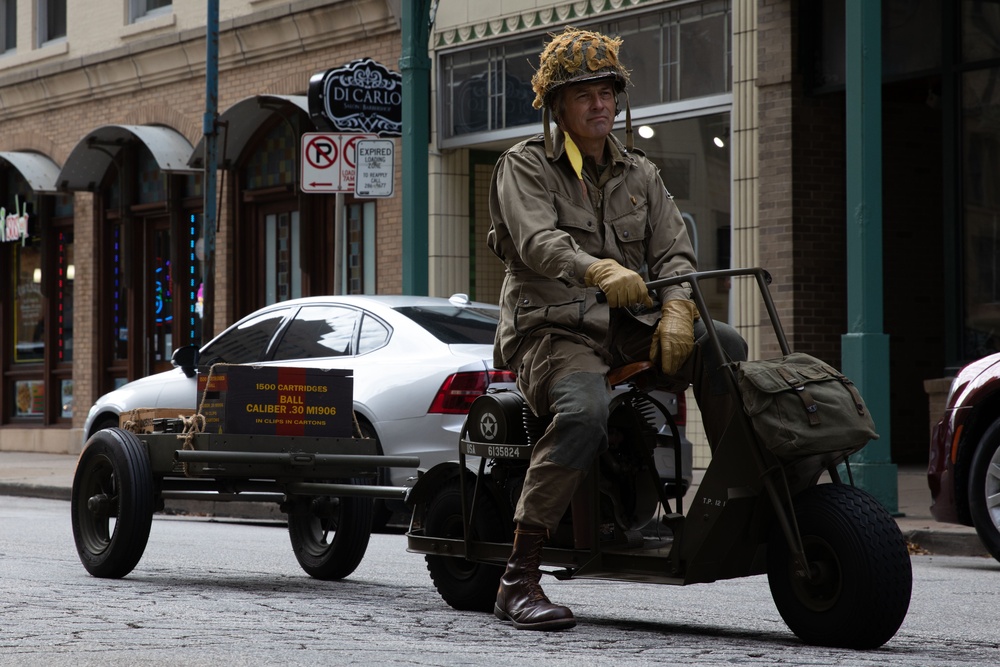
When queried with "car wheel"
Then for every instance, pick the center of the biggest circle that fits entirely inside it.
(464, 584)
(380, 512)
(107, 421)
(112, 503)
(859, 591)
(330, 535)
(984, 490)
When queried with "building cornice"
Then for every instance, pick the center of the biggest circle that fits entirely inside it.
(173, 56)
(530, 19)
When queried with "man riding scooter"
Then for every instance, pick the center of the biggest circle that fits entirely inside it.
(574, 213)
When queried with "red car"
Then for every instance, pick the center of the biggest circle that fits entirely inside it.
(964, 467)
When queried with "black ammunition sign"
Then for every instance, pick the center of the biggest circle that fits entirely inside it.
(277, 401)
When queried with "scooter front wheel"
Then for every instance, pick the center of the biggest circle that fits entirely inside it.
(857, 592)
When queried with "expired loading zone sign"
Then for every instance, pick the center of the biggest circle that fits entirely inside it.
(363, 96)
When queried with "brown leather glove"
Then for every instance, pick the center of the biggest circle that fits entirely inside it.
(673, 339)
(623, 287)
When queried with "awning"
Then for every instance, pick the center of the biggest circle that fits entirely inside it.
(38, 170)
(90, 159)
(242, 120)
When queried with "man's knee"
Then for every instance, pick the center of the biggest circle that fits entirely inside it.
(582, 398)
(579, 429)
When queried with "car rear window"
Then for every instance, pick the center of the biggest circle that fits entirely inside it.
(453, 325)
(246, 342)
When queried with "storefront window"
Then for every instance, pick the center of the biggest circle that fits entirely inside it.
(360, 247)
(980, 30)
(283, 264)
(981, 210)
(152, 181)
(29, 311)
(674, 54)
(693, 157)
(274, 162)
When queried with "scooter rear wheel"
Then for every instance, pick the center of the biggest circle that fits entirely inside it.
(859, 591)
(465, 585)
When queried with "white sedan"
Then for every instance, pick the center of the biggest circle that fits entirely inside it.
(418, 364)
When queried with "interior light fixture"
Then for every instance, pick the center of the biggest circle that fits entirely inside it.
(646, 132)
(36, 276)
(71, 272)
(719, 142)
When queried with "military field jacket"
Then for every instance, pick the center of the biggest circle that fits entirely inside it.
(548, 227)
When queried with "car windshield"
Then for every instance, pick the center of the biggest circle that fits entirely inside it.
(452, 325)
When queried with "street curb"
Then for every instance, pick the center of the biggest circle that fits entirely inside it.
(938, 543)
(36, 491)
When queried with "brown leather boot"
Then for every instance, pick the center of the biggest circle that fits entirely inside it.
(520, 598)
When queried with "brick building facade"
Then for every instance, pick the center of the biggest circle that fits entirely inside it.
(150, 72)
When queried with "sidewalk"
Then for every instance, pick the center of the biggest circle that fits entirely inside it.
(51, 476)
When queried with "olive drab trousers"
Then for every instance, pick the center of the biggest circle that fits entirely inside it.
(566, 378)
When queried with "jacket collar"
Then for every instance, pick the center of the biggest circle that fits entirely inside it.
(615, 148)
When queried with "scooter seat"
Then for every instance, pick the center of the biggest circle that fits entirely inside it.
(638, 372)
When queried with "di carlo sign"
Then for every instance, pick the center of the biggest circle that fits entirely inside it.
(362, 96)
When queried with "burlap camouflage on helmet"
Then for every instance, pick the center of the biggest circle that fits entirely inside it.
(574, 56)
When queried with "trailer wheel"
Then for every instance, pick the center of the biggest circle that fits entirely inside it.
(859, 590)
(465, 585)
(112, 503)
(330, 535)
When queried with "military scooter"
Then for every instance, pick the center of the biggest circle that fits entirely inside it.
(837, 564)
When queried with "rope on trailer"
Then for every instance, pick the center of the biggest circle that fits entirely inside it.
(195, 424)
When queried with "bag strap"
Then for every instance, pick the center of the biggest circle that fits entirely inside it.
(859, 403)
(800, 390)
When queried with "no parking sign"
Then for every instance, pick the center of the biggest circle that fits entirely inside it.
(329, 161)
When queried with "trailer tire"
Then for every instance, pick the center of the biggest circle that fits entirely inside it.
(464, 584)
(330, 535)
(861, 592)
(112, 503)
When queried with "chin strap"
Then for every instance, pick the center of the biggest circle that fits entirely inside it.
(548, 134)
(629, 143)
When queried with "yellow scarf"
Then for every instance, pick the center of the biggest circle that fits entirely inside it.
(574, 155)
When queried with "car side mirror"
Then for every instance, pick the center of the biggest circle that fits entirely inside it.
(186, 359)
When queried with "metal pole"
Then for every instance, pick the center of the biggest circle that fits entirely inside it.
(210, 130)
(415, 66)
(865, 348)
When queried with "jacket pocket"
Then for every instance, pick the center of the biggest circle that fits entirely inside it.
(548, 304)
(579, 221)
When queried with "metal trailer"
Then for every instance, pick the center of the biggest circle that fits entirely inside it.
(323, 484)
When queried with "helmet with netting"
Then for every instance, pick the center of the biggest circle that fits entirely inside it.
(575, 56)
